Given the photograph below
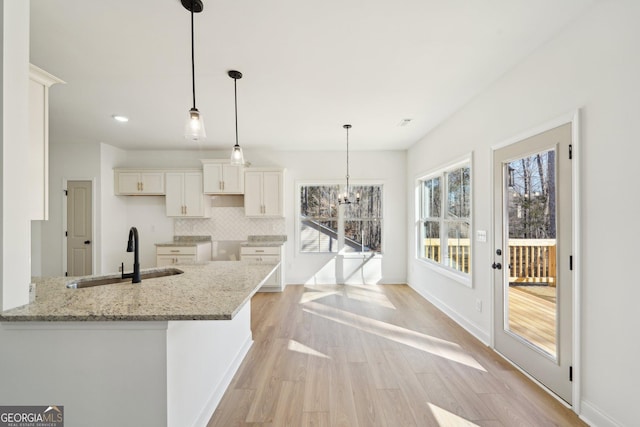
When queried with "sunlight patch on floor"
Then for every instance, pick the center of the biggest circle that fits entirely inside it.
(312, 296)
(448, 419)
(369, 294)
(436, 346)
(301, 348)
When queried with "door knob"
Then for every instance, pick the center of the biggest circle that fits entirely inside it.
(497, 266)
(87, 242)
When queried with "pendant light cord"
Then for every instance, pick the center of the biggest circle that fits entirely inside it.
(193, 66)
(235, 96)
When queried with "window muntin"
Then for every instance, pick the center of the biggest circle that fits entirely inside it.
(445, 234)
(320, 215)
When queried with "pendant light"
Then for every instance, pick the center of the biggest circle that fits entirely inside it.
(194, 128)
(345, 198)
(237, 158)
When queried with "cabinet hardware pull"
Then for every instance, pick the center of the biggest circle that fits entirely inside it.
(175, 251)
(142, 186)
(259, 250)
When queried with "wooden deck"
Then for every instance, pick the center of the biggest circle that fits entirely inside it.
(374, 356)
(532, 315)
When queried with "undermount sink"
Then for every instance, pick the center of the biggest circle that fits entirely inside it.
(89, 282)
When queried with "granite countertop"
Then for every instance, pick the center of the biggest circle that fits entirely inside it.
(187, 241)
(214, 290)
(265, 241)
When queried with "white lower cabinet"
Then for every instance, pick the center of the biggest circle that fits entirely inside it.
(266, 254)
(184, 195)
(170, 255)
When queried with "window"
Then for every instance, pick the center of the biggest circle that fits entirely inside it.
(321, 217)
(444, 223)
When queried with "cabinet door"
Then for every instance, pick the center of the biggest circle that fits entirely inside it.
(253, 194)
(175, 197)
(165, 260)
(128, 182)
(193, 197)
(212, 178)
(232, 179)
(152, 182)
(272, 194)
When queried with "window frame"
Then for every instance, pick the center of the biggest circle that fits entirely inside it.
(444, 220)
(341, 218)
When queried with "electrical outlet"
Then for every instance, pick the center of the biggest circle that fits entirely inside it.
(479, 305)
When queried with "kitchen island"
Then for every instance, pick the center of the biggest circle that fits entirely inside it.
(158, 353)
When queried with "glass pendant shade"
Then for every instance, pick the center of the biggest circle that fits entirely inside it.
(237, 158)
(194, 128)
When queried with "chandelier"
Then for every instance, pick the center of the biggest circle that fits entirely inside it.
(346, 197)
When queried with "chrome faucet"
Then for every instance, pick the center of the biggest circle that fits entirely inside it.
(133, 245)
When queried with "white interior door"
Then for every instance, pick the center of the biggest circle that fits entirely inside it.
(532, 257)
(79, 228)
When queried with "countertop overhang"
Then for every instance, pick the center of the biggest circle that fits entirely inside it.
(214, 290)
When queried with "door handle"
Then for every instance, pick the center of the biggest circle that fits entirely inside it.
(87, 242)
(497, 266)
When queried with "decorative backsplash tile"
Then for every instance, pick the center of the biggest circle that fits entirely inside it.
(228, 223)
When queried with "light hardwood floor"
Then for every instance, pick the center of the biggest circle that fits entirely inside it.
(374, 356)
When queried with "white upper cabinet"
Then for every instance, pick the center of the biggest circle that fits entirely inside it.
(264, 193)
(39, 83)
(221, 177)
(130, 182)
(184, 195)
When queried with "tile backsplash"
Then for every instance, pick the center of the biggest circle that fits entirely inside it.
(228, 223)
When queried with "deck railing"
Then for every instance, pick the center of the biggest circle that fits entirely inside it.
(530, 260)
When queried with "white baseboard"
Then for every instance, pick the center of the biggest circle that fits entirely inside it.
(592, 415)
(218, 392)
(455, 316)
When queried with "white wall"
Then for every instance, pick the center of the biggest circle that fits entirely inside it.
(386, 167)
(594, 65)
(112, 229)
(16, 227)
(78, 160)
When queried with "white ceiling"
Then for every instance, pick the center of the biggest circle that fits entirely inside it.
(309, 67)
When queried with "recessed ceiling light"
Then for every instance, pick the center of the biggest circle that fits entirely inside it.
(404, 122)
(119, 118)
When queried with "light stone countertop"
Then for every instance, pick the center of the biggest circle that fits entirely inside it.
(265, 241)
(264, 244)
(214, 290)
(187, 241)
(183, 243)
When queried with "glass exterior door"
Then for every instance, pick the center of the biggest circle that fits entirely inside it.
(533, 282)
